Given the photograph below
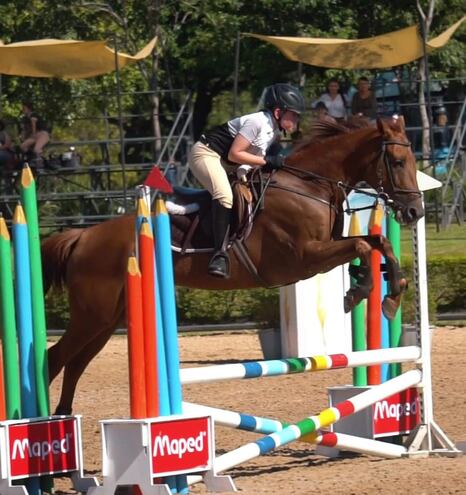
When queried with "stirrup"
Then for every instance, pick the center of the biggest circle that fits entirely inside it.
(219, 265)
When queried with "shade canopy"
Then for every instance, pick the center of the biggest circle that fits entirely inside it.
(66, 59)
(380, 52)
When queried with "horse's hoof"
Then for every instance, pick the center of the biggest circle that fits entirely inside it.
(390, 306)
(348, 303)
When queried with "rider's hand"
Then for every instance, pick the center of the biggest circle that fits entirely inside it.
(273, 162)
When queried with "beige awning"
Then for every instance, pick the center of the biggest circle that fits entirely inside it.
(66, 59)
(387, 50)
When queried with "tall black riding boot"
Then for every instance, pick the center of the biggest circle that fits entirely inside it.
(219, 265)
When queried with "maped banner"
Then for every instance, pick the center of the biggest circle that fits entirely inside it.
(45, 447)
(180, 446)
(397, 414)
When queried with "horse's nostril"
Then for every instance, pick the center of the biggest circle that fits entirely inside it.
(413, 214)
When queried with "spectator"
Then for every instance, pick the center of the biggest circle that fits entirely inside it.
(364, 103)
(34, 133)
(441, 132)
(334, 100)
(7, 155)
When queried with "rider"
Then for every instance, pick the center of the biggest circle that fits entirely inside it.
(242, 140)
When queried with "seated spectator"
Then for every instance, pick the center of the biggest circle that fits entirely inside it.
(441, 132)
(34, 134)
(334, 100)
(7, 155)
(364, 103)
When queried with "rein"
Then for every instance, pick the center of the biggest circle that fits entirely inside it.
(383, 161)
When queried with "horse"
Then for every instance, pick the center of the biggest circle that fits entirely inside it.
(297, 234)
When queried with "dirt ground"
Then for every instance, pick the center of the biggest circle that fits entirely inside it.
(103, 393)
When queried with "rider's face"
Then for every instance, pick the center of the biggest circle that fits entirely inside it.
(289, 121)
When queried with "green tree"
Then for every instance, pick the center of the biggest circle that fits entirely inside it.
(197, 41)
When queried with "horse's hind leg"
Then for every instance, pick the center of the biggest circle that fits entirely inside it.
(75, 368)
(69, 344)
(96, 314)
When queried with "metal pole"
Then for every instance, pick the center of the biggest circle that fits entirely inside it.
(120, 125)
(236, 75)
(429, 115)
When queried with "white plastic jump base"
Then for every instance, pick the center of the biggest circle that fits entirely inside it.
(430, 440)
(44, 446)
(127, 459)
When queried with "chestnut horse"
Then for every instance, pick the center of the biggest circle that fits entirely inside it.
(295, 236)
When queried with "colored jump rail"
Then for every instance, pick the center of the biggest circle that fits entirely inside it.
(277, 367)
(267, 426)
(312, 424)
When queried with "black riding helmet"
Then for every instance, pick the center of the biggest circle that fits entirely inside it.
(285, 97)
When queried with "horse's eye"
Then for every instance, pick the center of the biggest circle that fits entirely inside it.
(399, 163)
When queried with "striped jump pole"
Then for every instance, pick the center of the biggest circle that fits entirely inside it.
(239, 421)
(256, 369)
(267, 426)
(312, 424)
(360, 445)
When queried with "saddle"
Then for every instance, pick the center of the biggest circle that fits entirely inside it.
(191, 218)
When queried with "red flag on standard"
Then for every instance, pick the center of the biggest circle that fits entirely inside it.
(156, 180)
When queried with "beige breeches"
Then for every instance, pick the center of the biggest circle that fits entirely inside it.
(35, 142)
(207, 167)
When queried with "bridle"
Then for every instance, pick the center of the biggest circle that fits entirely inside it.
(383, 162)
(389, 168)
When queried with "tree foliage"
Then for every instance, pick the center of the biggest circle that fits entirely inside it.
(197, 42)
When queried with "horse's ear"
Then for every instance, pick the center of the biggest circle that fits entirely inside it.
(401, 121)
(381, 126)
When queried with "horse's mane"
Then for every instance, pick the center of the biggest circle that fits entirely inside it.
(323, 129)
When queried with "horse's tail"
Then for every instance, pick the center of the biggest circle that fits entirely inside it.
(56, 251)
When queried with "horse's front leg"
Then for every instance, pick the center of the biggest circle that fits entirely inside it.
(397, 283)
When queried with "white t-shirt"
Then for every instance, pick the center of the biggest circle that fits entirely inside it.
(259, 128)
(335, 106)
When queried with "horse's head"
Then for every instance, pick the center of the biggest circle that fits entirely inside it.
(397, 171)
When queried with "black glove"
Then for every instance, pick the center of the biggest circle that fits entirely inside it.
(273, 162)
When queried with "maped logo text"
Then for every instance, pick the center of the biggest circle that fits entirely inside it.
(163, 445)
(43, 447)
(23, 448)
(181, 445)
(397, 414)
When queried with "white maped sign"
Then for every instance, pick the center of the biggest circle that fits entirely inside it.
(142, 451)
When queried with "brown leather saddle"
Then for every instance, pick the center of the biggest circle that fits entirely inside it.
(192, 232)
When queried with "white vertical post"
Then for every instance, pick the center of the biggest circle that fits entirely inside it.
(422, 317)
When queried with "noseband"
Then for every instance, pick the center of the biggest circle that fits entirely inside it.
(385, 161)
